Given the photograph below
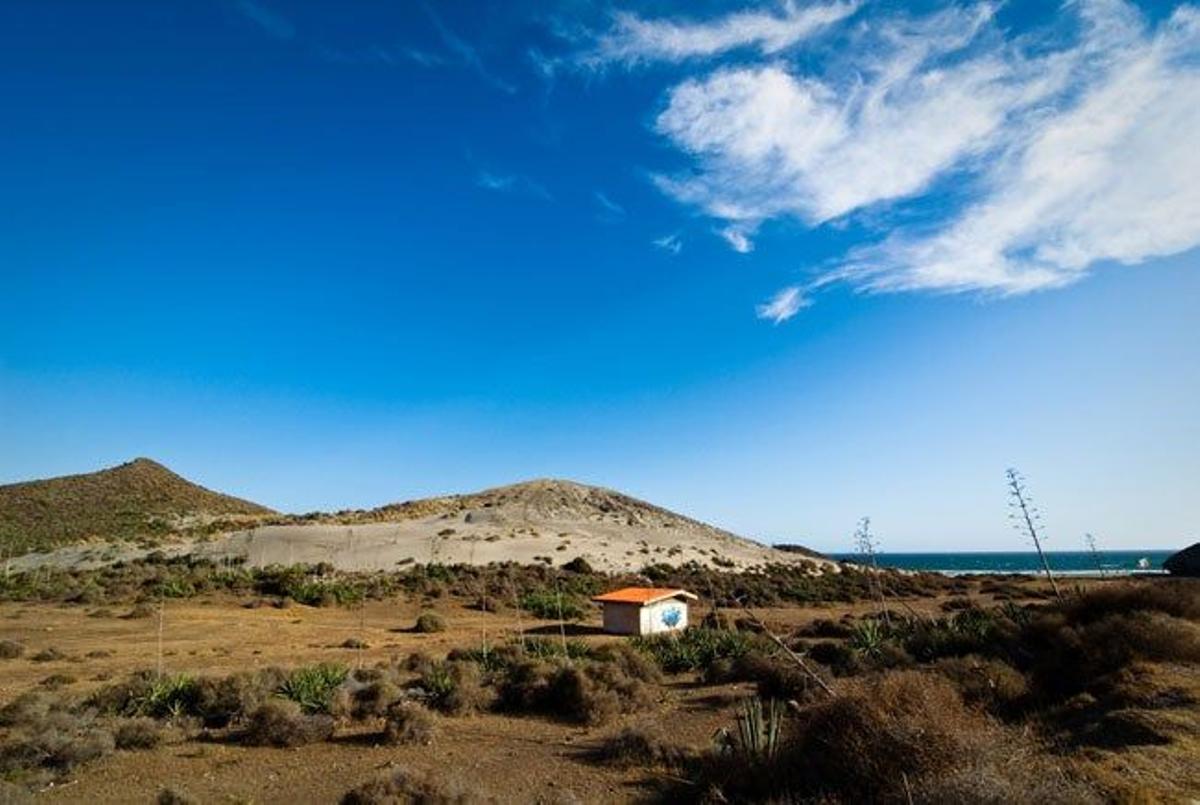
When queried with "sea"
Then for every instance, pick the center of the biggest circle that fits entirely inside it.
(1067, 563)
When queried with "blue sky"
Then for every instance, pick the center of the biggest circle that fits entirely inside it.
(777, 267)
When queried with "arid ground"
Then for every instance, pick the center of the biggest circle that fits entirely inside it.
(74, 650)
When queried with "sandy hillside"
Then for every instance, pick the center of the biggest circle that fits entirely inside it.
(546, 520)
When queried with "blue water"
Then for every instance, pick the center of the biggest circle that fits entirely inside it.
(1064, 562)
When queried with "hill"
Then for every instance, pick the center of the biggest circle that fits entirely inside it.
(547, 521)
(137, 499)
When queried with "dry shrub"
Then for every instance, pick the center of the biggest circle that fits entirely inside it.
(406, 787)
(1179, 598)
(456, 688)
(13, 794)
(419, 662)
(573, 694)
(905, 723)
(1072, 658)
(1144, 686)
(60, 742)
(50, 654)
(775, 677)
(631, 662)
(28, 709)
(56, 681)
(280, 722)
(887, 738)
(10, 649)
(643, 744)
(991, 684)
(138, 733)
(429, 622)
(408, 723)
(823, 627)
(222, 701)
(357, 699)
(585, 692)
(173, 796)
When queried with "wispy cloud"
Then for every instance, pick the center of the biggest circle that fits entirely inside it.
(1062, 148)
(273, 23)
(609, 209)
(512, 183)
(466, 53)
(783, 305)
(633, 39)
(672, 243)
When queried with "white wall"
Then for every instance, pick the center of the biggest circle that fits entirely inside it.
(622, 618)
(663, 616)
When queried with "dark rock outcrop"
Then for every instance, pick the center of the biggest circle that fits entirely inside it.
(1185, 562)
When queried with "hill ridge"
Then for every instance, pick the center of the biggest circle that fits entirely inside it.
(138, 498)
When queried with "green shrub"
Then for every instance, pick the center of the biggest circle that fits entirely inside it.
(312, 686)
(146, 694)
(552, 605)
(693, 649)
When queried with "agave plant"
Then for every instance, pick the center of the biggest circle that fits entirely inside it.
(868, 638)
(757, 736)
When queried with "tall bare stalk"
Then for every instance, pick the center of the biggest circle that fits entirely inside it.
(1091, 543)
(866, 546)
(1026, 518)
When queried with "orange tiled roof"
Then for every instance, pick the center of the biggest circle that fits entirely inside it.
(642, 595)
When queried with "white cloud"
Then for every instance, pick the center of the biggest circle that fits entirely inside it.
(1024, 161)
(738, 239)
(669, 243)
(783, 305)
(633, 39)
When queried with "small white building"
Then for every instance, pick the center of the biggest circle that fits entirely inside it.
(645, 610)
